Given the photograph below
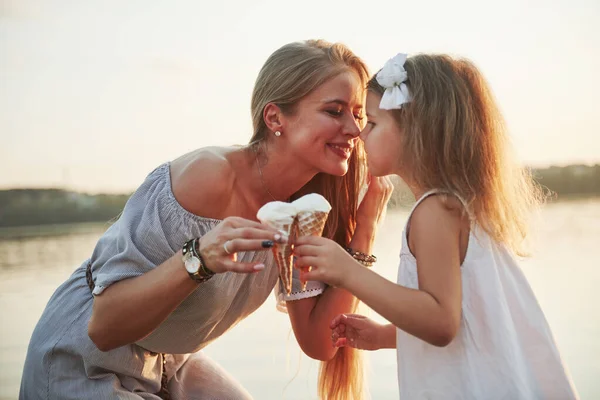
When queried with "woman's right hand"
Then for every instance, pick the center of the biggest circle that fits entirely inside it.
(116, 318)
(358, 331)
(219, 246)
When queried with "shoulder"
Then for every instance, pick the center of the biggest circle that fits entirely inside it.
(439, 208)
(438, 217)
(203, 180)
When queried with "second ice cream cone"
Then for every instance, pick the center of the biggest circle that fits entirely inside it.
(309, 224)
(305, 216)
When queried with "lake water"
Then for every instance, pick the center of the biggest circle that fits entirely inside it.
(261, 352)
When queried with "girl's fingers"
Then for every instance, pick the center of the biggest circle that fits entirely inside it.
(312, 275)
(303, 262)
(336, 321)
(334, 336)
(342, 321)
(309, 240)
(340, 329)
(349, 317)
(302, 270)
(355, 321)
(305, 250)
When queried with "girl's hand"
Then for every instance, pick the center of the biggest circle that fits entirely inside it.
(330, 263)
(219, 246)
(358, 331)
(372, 208)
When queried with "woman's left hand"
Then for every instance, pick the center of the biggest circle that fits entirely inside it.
(372, 208)
(329, 261)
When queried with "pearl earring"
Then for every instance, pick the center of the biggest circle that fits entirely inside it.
(277, 133)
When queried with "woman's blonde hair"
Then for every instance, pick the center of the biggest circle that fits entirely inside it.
(289, 74)
(454, 139)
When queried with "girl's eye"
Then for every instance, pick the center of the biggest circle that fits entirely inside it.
(335, 113)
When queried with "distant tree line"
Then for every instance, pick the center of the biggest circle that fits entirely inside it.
(573, 180)
(559, 182)
(22, 207)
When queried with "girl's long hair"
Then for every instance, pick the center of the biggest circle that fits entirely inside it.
(454, 138)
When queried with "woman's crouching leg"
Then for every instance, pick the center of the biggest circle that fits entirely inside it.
(201, 378)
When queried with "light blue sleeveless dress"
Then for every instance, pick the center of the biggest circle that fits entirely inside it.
(63, 363)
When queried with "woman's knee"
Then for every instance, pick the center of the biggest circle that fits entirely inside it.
(202, 378)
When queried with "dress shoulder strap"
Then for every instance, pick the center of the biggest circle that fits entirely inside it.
(431, 193)
(423, 197)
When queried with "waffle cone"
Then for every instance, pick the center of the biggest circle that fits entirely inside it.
(311, 224)
(283, 254)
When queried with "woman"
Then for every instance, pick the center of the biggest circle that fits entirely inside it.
(133, 329)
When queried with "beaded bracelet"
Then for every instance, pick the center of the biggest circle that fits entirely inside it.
(364, 259)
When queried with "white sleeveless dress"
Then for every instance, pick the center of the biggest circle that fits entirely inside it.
(504, 348)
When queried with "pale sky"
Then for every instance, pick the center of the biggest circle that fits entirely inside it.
(94, 94)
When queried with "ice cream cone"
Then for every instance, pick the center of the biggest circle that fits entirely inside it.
(305, 216)
(283, 254)
(309, 224)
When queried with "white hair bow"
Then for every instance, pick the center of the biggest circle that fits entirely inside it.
(392, 77)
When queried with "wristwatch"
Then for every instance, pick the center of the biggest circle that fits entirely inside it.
(194, 264)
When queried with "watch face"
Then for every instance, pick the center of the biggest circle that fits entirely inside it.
(192, 265)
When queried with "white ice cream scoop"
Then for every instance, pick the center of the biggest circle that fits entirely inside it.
(305, 216)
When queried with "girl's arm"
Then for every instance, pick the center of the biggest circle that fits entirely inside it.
(431, 313)
(388, 337)
(311, 317)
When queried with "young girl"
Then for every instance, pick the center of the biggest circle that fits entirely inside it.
(464, 320)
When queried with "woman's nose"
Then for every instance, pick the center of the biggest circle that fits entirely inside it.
(352, 127)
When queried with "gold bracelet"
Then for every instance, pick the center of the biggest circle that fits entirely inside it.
(365, 259)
